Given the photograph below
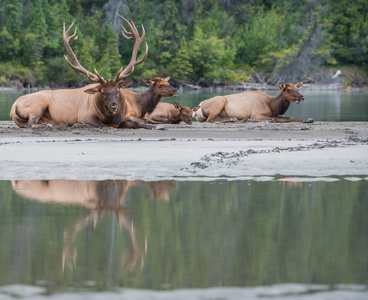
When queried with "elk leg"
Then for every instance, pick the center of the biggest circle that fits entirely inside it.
(260, 118)
(158, 120)
(213, 110)
(134, 123)
(222, 120)
(33, 119)
(280, 119)
(94, 122)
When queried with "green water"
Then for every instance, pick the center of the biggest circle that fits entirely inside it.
(320, 105)
(96, 235)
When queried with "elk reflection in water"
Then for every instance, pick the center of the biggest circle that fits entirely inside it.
(102, 198)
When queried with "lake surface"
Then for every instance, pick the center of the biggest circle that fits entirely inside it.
(320, 105)
(74, 235)
(67, 235)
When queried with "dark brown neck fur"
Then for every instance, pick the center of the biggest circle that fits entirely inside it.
(148, 101)
(278, 105)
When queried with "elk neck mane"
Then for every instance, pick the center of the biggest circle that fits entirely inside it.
(148, 101)
(278, 104)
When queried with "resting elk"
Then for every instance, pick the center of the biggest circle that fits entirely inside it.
(171, 113)
(98, 105)
(141, 103)
(252, 105)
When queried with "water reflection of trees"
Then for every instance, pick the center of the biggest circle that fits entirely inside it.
(102, 198)
(219, 233)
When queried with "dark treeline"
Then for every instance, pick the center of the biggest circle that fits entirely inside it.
(198, 41)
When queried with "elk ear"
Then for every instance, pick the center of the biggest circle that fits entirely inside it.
(125, 84)
(92, 90)
(194, 108)
(177, 106)
(282, 85)
(299, 84)
(148, 81)
(167, 78)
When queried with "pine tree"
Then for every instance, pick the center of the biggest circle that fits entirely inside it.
(10, 22)
(181, 67)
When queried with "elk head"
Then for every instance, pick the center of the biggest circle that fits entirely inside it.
(162, 87)
(186, 112)
(108, 90)
(290, 92)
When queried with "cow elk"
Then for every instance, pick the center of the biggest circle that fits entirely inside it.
(141, 103)
(252, 105)
(171, 113)
(98, 105)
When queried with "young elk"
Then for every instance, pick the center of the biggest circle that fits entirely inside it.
(98, 105)
(251, 105)
(171, 113)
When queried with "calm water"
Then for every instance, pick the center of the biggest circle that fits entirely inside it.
(319, 105)
(66, 235)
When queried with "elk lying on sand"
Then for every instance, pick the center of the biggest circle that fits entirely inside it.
(252, 105)
(97, 105)
(170, 113)
(141, 103)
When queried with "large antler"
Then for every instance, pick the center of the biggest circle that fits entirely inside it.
(77, 66)
(133, 35)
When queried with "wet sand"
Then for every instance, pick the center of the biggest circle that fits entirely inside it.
(185, 152)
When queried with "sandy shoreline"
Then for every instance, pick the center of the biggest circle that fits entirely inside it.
(185, 152)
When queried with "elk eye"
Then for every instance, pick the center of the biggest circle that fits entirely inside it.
(289, 90)
(102, 93)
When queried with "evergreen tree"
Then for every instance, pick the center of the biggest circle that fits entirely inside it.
(350, 31)
(10, 22)
(181, 67)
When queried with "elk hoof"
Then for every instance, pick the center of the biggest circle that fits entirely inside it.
(233, 120)
(158, 127)
(309, 120)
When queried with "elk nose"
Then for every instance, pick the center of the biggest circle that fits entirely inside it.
(113, 106)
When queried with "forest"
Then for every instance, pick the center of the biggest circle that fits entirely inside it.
(201, 42)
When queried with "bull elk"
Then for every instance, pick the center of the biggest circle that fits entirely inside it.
(171, 113)
(252, 105)
(98, 105)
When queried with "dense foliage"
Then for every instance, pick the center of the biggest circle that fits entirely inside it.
(198, 41)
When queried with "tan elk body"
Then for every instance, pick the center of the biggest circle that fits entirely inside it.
(98, 105)
(252, 105)
(170, 113)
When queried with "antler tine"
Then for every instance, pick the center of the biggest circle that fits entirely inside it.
(133, 35)
(134, 28)
(74, 36)
(144, 57)
(121, 76)
(101, 79)
(77, 66)
(127, 32)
